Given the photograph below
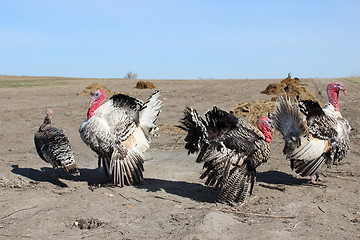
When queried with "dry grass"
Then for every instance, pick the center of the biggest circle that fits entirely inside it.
(289, 86)
(354, 79)
(94, 87)
(145, 85)
(30, 83)
(251, 111)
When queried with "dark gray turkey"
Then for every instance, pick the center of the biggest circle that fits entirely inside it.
(54, 147)
(313, 135)
(230, 148)
(120, 131)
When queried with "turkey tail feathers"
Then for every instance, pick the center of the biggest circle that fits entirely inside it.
(195, 126)
(217, 165)
(148, 115)
(63, 150)
(128, 170)
(290, 122)
(105, 161)
(219, 119)
(308, 168)
(238, 185)
(234, 180)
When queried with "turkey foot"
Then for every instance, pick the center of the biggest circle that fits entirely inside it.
(317, 180)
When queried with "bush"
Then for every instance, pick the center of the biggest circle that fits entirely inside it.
(130, 75)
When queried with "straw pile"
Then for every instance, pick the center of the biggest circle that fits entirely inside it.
(289, 86)
(145, 85)
(252, 110)
(94, 87)
(292, 87)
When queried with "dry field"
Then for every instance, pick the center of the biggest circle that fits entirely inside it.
(172, 202)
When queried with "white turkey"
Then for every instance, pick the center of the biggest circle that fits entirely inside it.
(54, 147)
(313, 135)
(120, 131)
(230, 148)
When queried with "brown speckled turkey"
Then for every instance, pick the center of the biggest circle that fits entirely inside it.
(54, 147)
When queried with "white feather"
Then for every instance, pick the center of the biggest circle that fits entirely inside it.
(137, 142)
(148, 115)
(309, 149)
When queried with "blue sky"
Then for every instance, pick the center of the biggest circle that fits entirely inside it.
(180, 39)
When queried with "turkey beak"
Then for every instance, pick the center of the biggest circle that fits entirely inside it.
(270, 125)
(342, 88)
(344, 91)
(271, 117)
(92, 99)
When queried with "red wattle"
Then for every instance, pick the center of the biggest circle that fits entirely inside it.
(268, 137)
(91, 110)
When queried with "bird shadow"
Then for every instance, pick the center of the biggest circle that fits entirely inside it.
(95, 177)
(276, 177)
(194, 191)
(45, 174)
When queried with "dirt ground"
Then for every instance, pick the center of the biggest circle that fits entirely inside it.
(172, 202)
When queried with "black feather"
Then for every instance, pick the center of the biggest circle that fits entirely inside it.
(228, 146)
(121, 100)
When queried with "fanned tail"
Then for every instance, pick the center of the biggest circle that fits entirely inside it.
(289, 121)
(148, 115)
(218, 119)
(238, 185)
(195, 126)
(217, 165)
(308, 168)
(105, 161)
(127, 170)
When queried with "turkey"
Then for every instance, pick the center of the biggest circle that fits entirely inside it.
(230, 149)
(313, 135)
(120, 131)
(54, 147)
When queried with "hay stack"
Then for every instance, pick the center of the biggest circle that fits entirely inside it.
(145, 85)
(94, 87)
(290, 86)
(252, 110)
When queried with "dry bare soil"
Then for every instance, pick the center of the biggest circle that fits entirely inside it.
(172, 202)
